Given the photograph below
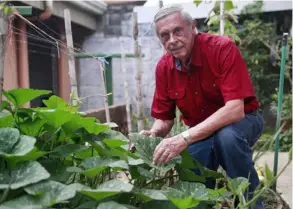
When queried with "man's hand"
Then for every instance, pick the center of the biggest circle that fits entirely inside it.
(168, 149)
(143, 132)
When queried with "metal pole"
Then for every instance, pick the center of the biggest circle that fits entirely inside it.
(280, 102)
(222, 17)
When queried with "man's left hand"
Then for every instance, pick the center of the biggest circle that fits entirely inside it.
(168, 149)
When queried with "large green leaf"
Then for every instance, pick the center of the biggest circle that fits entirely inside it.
(34, 154)
(8, 138)
(44, 194)
(94, 165)
(88, 123)
(6, 120)
(114, 205)
(238, 185)
(68, 149)
(21, 96)
(31, 127)
(189, 194)
(22, 147)
(108, 189)
(58, 169)
(54, 117)
(55, 102)
(150, 194)
(23, 175)
(146, 146)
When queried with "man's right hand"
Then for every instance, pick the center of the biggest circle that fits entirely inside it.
(143, 132)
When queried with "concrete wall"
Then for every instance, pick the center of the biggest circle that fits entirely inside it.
(117, 23)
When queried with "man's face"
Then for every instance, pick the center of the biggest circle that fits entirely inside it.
(176, 35)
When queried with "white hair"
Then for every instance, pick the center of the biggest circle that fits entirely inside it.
(170, 9)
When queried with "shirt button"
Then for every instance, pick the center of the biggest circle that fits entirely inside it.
(176, 94)
(214, 85)
(195, 93)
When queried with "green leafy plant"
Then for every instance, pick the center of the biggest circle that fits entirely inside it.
(46, 163)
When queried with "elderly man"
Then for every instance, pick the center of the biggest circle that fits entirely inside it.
(205, 76)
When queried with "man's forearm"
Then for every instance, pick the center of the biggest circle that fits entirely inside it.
(226, 115)
(162, 127)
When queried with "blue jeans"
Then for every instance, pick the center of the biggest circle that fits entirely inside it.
(230, 147)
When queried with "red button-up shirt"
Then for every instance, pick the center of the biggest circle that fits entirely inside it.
(218, 74)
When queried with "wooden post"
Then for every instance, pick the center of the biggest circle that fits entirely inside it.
(222, 17)
(71, 62)
(140, 123)
(3, 36)
(127, 100)
(104, 87)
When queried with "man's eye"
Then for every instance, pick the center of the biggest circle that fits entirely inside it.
(165, 37)
(178, 31)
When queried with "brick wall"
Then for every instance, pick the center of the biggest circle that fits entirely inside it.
(116, 24)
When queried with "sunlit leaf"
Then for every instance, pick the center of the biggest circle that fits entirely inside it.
(146, 146)
(108, 189)
(23, 175)
(21, 96)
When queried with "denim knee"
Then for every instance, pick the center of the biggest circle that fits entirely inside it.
(230, 140)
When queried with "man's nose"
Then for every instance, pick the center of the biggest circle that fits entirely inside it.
(172, 39)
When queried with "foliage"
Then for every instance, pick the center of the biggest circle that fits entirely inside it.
(45, 163)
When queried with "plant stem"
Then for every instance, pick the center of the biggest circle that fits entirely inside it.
(266, 187)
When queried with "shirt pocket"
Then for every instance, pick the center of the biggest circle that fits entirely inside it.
(179, 97)
(211, 91)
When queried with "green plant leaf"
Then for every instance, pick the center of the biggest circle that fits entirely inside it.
(197, 2)
(54, 117)
(268, 174)
(88, 123)
(189, 194)
(55, 102)
(114, 205)
(6, 120)
(94, 165)
(8, 138)
(66, 150)
(150, 194)
(21, 96)
(113, 143)
(108, 189)
(31, 127)
(158, 204)
(132, 161)
(57, 169)
(23, 175)
(34, 154)
(145, 146)
(238, 185)
(229, 5)
(44, 194)
(22, 147)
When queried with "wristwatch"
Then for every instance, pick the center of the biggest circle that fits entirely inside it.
(186, 137)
